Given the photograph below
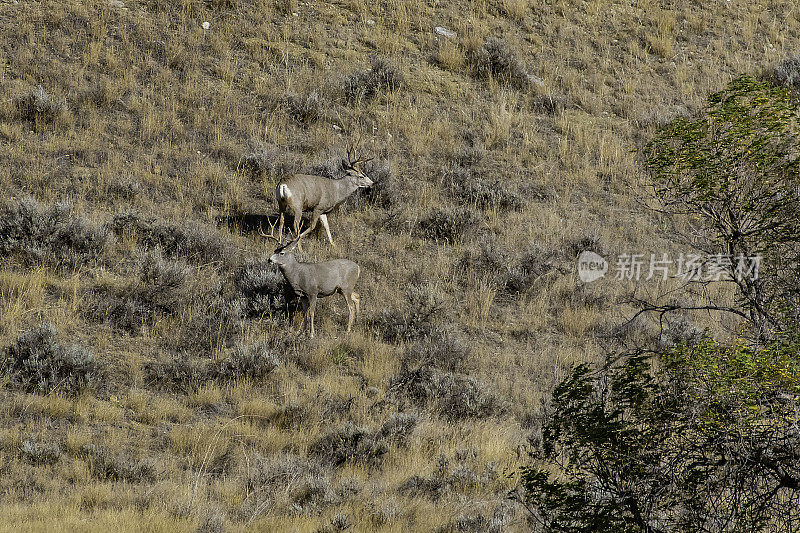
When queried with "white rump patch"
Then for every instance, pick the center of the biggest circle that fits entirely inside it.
(284, 192)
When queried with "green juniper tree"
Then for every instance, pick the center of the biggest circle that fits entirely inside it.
(734, 174)
(702, 436)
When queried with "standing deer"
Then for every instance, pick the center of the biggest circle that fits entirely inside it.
(310, 281)
(320, 195)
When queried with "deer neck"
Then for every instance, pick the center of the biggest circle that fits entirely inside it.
(344, 188)
(289, 269)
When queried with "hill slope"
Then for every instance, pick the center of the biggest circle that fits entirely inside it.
(140, 152)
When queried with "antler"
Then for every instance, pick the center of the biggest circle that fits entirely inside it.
(271, 234)
(351, 153)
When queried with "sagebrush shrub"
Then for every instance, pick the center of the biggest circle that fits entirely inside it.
(269, 160)
(354, 443)
(452, 396)
(108, 465)
(386, 190)
(349, 443)
(425, 308)
(255, 361)
(496, 59)
(449, 224)
(382, 77)
(304, 110)
(263, 290)
(787, 73)
(182, 373)
(38, 362)
(440, 349)
(37, 233)
(40, 453)
(40, 106)
(468, 187)
(189, 240)
(161, 286)
(306, 484)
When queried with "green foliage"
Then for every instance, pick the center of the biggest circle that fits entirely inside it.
(736, 172)
(742, 152)
(702, 438)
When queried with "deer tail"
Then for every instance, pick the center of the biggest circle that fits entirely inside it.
(283, 192)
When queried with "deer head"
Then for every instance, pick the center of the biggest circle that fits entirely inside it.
(283, 253)
(351, 167)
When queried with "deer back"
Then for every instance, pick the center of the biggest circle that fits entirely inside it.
(321, 279)
(317, 192)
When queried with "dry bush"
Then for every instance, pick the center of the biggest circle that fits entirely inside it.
(254, 361)
(114, 466)
(358, 444)
(38, 362)
(449, 224)
(453, 396)
(444, 480)
(786, 73)
(269, 160)
(182, 373)
(383, 76)
(550, 103)
(189, 240)
(387, 190)
(305, 485)
(161, 287)
(39, 452)
(41, 107)
(467, 186)
(210, 324)
(263, 290)
(471, 151)
(530, 267)
(349, 443)
(497, 522)
(440, 349)
(495, 59)
(514, 273)
(425, 308)
(187, 373)
(305, 110)
(36, 233)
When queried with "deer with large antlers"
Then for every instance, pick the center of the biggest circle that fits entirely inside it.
(310, 281)
(320, 195)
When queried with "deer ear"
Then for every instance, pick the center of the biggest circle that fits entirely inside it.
(345, 164)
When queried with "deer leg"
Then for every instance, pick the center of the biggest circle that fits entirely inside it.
(356, 300)
(312, 304)
(304, 306)
(298, 218)
(280, 227)
(324, 220)
(350, 309)
(314, 219)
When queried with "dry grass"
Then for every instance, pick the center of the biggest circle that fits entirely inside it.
(138, 109)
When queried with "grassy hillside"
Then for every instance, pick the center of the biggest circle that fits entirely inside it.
(150, 376)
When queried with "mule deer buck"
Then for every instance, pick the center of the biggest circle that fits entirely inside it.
(320, 195)
(310, 281)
